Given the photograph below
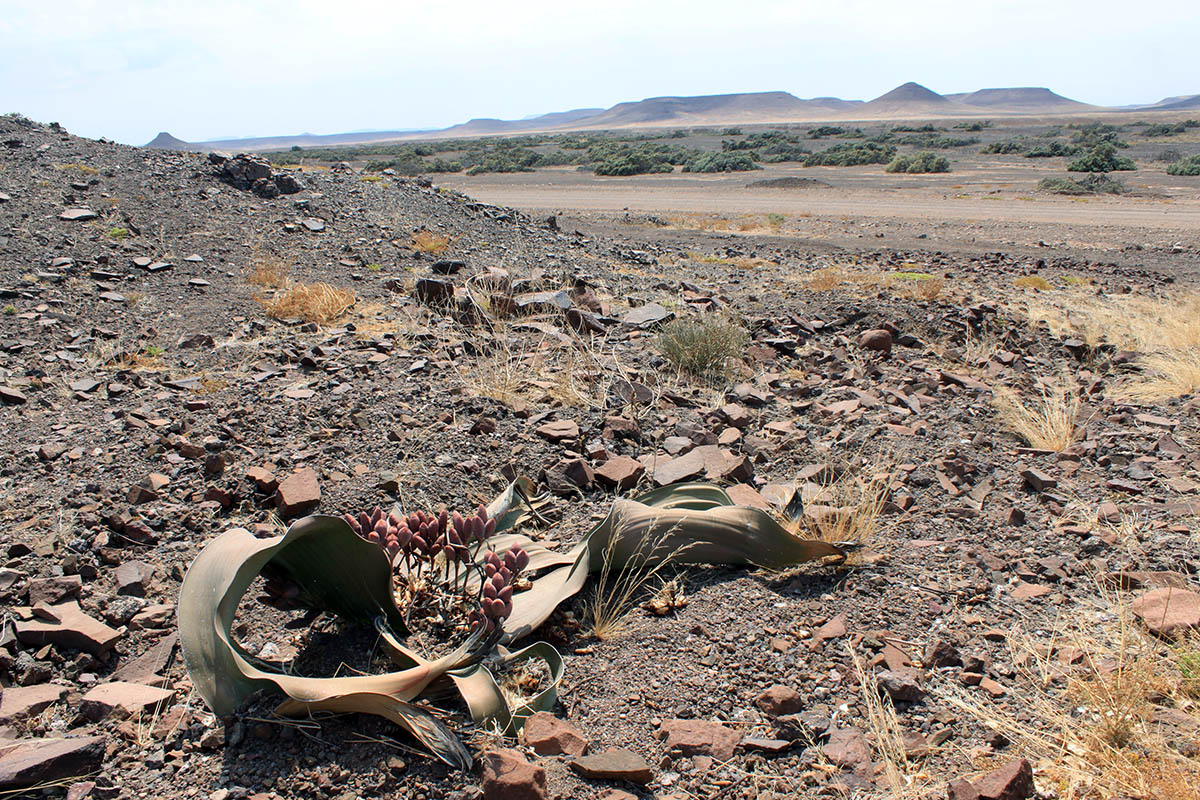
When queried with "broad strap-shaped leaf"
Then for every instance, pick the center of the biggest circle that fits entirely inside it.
(336, 567)
(692, 523)
(486, 702)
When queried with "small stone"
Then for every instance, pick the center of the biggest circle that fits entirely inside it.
(847, 747)
(620, 472)
(27, 762)
(693, 737)
(1012, 781)
(78, 214)
(299, 492)
(19, 702)
(1168, 611)
(559, 430)
(1038, 480)
(54, 589)
(124, 699)
(569, 476)
(132, 577)
(10, 396)
(550, 736)
(779, 700)
(68, 627)
(878, 340)
(508, 776)
(614, 765)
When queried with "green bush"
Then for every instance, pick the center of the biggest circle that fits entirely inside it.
(624, 158)
(1189, 166)
(1166, 129)
(974, 126)
(1101, 158)
(933, 141)
(1092, 184)
(850, 155)
(1094, 134)
(922, 162)
(1051, 150)
(721, 162)
(703, 345)
(1004, 147)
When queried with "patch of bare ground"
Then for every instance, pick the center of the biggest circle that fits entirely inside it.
(1015, 467)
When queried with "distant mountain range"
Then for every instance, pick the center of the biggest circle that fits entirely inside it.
(907, 101)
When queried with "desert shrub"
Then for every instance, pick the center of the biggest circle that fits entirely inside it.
(1094, 134)
(721, 162)
(926, 128)
(311, 302)
(1169, 156)
(933, 141)
(1185, 166)
(756, 141)
(732, 132)
(702, 345)
(430, 243)
(825, 130)
(849, 155)
(1101, 158)
(1092, 184)
(1003, 147)
(1051, 150)
(1167, 129)
(625, 158)
(922, 162)
(974, 126)
(413, 166)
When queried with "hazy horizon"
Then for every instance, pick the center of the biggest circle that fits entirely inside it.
(220, 69)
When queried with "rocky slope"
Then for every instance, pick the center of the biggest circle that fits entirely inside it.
(149, 403)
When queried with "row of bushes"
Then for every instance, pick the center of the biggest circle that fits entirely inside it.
(1185, 166)
(1037, 150)
(922, 162)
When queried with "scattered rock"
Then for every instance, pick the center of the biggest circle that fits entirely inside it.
(124, 699)
(26, 762)
(550, 736)
(507, 775)
(1012, 781)
(1168, 611)
(878, 340)
(693, 737)
(779, 700)
(299, 492)
(614, 765)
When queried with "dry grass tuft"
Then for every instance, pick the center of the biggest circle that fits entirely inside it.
(1032, 282)
(1096, 693)
(704, 345)
(1046, 422)
(311, 302)
(887, 737)
(849, 507)
(609, 609)
(430, 242)
(1165, 329)
(268, 271)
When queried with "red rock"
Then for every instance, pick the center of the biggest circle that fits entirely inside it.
(550, 736)
(54, 589)
(263, 478)
(132, 577)
(614, 765)
(877, 339)
(847, 747)
(743, 494)
(736, 415)
(1029, 591)
(299, 492)
(1037, 480)
(674, 470)
(834, 629)
(568, 476)
(1012, 781)
(620, 472)
(17, 702)
(10, 396)
(559, 430)
(125, 699)
(778, 700)
(147, 668)
(69, 627)
(693, 737)
(508, 776)
(26, 762)
(1168, 611)
(616, 427)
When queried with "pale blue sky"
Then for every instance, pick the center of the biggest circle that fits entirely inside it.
(127, 69)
